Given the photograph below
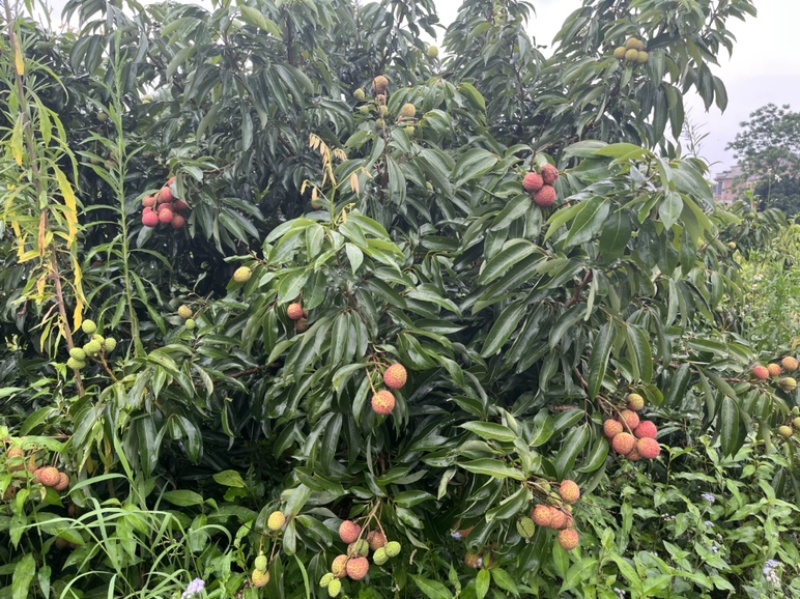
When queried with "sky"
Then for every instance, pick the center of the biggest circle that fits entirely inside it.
(764, 66)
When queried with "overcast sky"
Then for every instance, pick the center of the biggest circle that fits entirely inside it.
(764, 67)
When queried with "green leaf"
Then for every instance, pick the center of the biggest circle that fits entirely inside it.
(503, 579)
(670, 209)
(24, 572)
(183, 498)
(253, 17)
(514, 251)
(577, 573)
(354, 255)
(588, 221)
(729, 423)
(601, 350)
(473, 164)
(493, 468)
(433, 589)
(503, 328)
(491, 431)
(482, 582)
(615, 236)
(230, 478)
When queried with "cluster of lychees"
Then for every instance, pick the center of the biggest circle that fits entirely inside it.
(164, 208)
(380, 88)
(97, 346)
(18, 460)
(395, 377)
(260, 574)
(355, 563)
(298, 314)
(773, 371)
(540, 185)
(632, 52)
(185, 312)
(630, 436)
(555, 514)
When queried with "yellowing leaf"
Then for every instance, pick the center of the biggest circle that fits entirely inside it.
(18, 61)
(71, 205)
(80, 298)
(43, 233)
(16, 141)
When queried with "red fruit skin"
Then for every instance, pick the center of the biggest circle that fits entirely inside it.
(761, 373)
(570, 492)
(630, 418)
(165, 195)
(623, 443)
(646, 428)
(148, 201)
(178, 222)
(395, 376)
(633, 456)
(549, 174)
(180, 206)
(612, 428)
(150, 218)
(349, 531)
(569, 539)
(542, 516)
(165, 216)
(545, 197)
(383, 403)
(532, 182)
(357, 568)
(774, 370)
(559, 520)
(295, 311)
(648, 448)
(171, 181)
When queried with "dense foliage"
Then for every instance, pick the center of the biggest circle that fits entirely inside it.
(334, 228)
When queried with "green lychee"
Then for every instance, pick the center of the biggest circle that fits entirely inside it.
(78, 354)
(360, 95)
(393, 548)
(276, 521)
(326, 579)
(380, 556)
(190, 324)
(76, 364)
(88, 327)
(334, 588)
(261, 562)
(93, 348)
(785, 431)
(110, 344)
(242, 274)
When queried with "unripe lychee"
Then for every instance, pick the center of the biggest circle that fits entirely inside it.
(276, 520)
(774, 370)
(383, 403)
(88, 327)
(393, 548)
(301, 326)
(542, 516)
(785, 431)
(357, 568)
(570, 492)
(149, 218)
(376, 540)
(165, 195)
(789, 364)
(334, 588)
(190, 324)
(16, 457)
(761, 372)
(93, 348)
(473, 560)
(619, 53)
(788, 384)
(383, 110)
(635, 402)
(648, 448)
(642, 57)
(612, 428)
(532, 182)
(433, 51)
(76, 364)
(261, 563)
(185, 312)
(338, 566)
(623, 443)
(630, 419)
(380, 84)
(408, 110)
(545, 197)
(410, 130)
(177, 222)
(63, 482)
(634, 44)
(568, 539)
(165, 216)
(295, 311)
(646, 428)
(549, 174)
(77, 353)
(380, 556)
(526, 527)
(796, 423)
(559, 519)
(242, 274)
(632, 55)
(349, 531)
(358, 549)
(380, 124)
(260, 579)
(360, 95)
(47, 476)
(326, 579)
(148, 201)
(380, 99)
(395, 376)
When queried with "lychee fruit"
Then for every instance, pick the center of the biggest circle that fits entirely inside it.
(380, 556)
(338, 566)
(634, 44)
(77, 353)
(357, 568)
(408, 110)
(630, 419)
(88, 327)
(632, 55)
(559, 519)
(646, 428)
(785, 431)
(148, 201)
(178, 222)
(165, 215)
(190, 324)
(570, 492)
(774, 370)
(261, 562)
(276, 520)
(635, 402)
(180, 206)
(165, 195)
(395, 376)
(612, 428)
(542, 516)
(149, 218)
(76, 364)
(623, 443)
(545, 197)
(568, 539)
(788, 384)
(376, 540)
(63, 482)
(16, 456)
(761, 372)
(549, 174)
(380, 84)
(619, 53)
(326, 579)
(433, 51)
(359, 95)
(334, 588)
(532, 182)
(349, 531)
(648, 448)
(185, 312)
(383, 403)
(642, 57)
(393, 548)
(301, 326)
(359, 548)
(242, 274)
(93, 348)
(260, 579)
(789, 364)
(796, 423)
(633, 456)
(295, 311)
(47, 476)
(109, 344)
(526, 527)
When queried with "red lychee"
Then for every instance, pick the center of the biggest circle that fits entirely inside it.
(633, 456)
(646, 428)
(149, 218)
(148, 201)
(165, 215)
(383, 403)
(171, 181)
(789, 364)
(376, 540)
(570, 492)
(761, 372)
(569, 539)
(180, 206)
(178, 222)
(545, 197)
(623, 443)
(648, 448)
(549, 174)
(532, 182)
(774, 370)
(349, 531)
(63, 482)
(542, 515)
(630, 418)
(47, 476)
(395, 376)
(295, 311)
(559, 519)
(165, 195)
(357, 568)
(612, 428)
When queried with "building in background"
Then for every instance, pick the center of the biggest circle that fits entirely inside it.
(731, 185)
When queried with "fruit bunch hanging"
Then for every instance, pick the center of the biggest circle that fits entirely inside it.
(539, 184)
(164, 208)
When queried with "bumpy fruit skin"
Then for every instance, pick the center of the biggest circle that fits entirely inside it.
(785, 431)
(376, 539)
(260, 579)
(473, 560)
(110, 344)
(532, 182)
(177, 222)
(76, 364)
(623, 443)
(789, 364)
(276, 521)
(180, 206)
(165, 216)
(88, 327)
(360, 95)
(570, 492)
(632, 55)
(796, 423)
(93, 348)
(549, 174)
(63, 482)
(635, 402)
(165, 195)
(295, 311)
(185, 312)
(338, 566)
(630, 419)
(393, 548)
(648, 448)
(148, 201)
(634, 44)
(633, 456)
(358, 549)
(646, 428)
(542, 516)
(774, 370)
(642, 57)
(408, 110)
(334, 588)
(569, 539)
(17, 456)
(381, 99)
(383, 403)
(261, 562)
(380, 556)
(410, 130)
(612, 428)
(357, 568)
(433, 51)
(349, 531)
(619, 53)
(190, 324)
(77, 353)
(395, 376)
(380, 84)
(47, 476)
(301, 326)
(761, 373)
(242, 274)
(150, 219)
(545, 197)
(559, 520)
(788, 384)
(326, 579)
